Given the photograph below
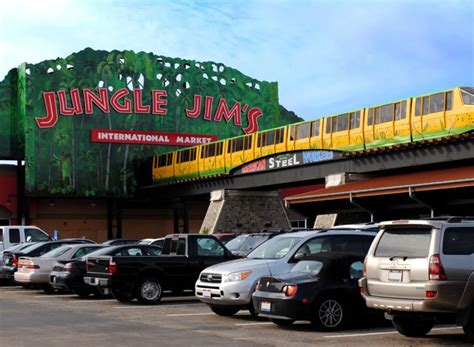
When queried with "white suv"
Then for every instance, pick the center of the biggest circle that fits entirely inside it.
(421, 272)
(13, 234)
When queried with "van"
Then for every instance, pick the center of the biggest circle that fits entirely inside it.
(14, 234)
(421, 272)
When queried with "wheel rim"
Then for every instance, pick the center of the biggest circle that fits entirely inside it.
(330, 313)
(150, 290)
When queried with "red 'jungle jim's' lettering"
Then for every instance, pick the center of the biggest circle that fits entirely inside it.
(121, 104)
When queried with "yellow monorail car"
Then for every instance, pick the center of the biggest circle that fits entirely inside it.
(428, 116)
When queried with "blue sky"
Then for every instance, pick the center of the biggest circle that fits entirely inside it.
(327, 56)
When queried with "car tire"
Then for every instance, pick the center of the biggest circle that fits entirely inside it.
(469, 327)
(331, 313)
(284, 323)
(225, 310)
(149, 291)
(121, 296)
(412, 327)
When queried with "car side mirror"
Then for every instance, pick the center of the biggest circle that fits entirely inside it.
(299, 256)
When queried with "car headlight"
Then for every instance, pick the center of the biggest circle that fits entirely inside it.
(236, 276)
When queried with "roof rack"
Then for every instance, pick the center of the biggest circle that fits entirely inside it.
(452, 219)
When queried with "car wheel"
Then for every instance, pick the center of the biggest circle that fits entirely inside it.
(121, 296)
(469, 327)
(252, 311)
(225, 310)
(412, 327)
(331, 313)
(82, 292)
(283, 322)
(149, 291)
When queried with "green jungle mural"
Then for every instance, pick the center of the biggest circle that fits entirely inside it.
(47, 118)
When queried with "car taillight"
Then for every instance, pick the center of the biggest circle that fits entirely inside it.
(112, 267)
(289, 289)
(68, 268)
(32, 267)
(15, 260)
(364, 270)
(431, 294)
(436, 271)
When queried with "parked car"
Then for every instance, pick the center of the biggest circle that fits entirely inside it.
(228, 287)
(155, 242)
(321, 288)
(245, 243)
(10, 259)
(225, 237)
(146, 277)
(69, 275)
(118, 242)
(13, 234)
(15, 248)
(421, 272)
(35, 270)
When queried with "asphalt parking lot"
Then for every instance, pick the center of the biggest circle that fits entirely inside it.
(30, 317)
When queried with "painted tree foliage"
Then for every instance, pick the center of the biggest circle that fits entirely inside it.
(61, 160)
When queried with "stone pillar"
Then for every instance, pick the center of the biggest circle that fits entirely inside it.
(244, 211)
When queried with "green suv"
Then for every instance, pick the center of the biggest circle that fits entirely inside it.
(422, 272)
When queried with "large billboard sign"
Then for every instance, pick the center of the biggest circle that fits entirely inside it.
(89, 118)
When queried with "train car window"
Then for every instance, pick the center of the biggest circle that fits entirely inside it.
(377, 115)
(291, 133)
(247, 142)
(231, 146)
(208, 151)
(162, 160)
(219, 148)
(303, 131)
(315, 128)
(328, 124)
(386, 114)
(400, 110)
(426, 105)
(169, 159)
(342, 122)
(269, 138)
(467, 95)
(418, 107)
(437, 103)
(355, 120)
(186, 155)
(260, 139)
(370, 118)
(449, 101)
(280, 136)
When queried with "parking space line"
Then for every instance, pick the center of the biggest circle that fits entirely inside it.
(190, 314)
(92, 300)
(163, 305)
(382, 333)
(52, 296)
(254, 323)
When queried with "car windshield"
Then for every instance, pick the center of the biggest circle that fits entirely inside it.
(275, 248)
(144, 242)
(56, 252)
(409, 242)
(253, 242)
(309, 266)
(468, 95)
(235, 244)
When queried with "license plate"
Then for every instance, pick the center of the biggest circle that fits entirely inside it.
(206, 293)
(395, 276)
(266, 306)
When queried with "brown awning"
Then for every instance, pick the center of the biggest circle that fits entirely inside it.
(396, 184)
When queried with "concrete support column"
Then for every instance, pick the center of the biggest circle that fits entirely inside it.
(239, 211)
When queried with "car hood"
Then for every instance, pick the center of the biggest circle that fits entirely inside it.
(239, 265)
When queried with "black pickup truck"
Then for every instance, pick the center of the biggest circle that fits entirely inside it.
(183, 257)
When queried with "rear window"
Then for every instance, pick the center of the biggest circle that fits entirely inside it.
(404, 242)
(458, 241)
